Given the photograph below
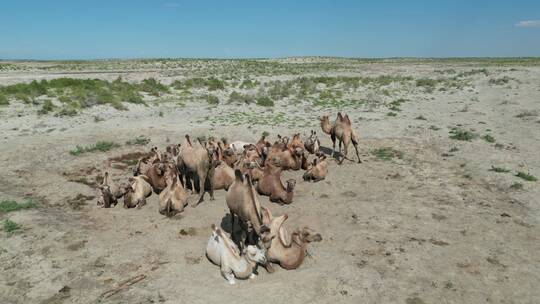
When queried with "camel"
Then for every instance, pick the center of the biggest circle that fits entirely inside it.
(238, 146)
(145, 163)
(222, 251)
(312, 143)
(108, 193)
(222, 176)
(289, 159)
(244, 203)
(157, 176)
(194, 161)
(296, 142)
(137, 191)
(227, 154)
(341, 130)
(174, 197)
(270, 184)
(317, 170)
(286, 249)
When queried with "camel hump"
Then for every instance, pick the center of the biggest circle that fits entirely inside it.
(347, 120)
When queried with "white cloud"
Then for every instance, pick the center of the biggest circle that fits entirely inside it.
(528, 23)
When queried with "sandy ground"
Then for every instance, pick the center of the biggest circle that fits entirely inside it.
(435, 226)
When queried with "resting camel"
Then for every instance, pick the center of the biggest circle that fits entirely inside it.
(137, 191)
(286, 249)
(270, 184)
(174, 197)
(108, 193)
(289, 159)
(341, 130)
(222, 251)
(317, 170)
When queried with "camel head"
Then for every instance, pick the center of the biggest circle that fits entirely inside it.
(255, 254)
(290, 185)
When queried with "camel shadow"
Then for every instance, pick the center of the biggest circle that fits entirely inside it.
(328, 151)
(226, 223)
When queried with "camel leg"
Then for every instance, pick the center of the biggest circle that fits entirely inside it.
(269, 267)
(333, 137)
(357, 154)
(202, 179)
(211, 191)
(227, 273)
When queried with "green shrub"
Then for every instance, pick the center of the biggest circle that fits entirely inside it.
(211, 99)
(11, 205)
(488, 138)
(459, 134)
(387, 153)
(102, 146)
(47, 107)
(236, 97)
(516, 186)
(499, 169)
(3, 100)
(10, 226)
(141, 141)
(265, 101)
(153, 87)
(526, 176)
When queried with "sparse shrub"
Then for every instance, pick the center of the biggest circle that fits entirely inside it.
(47, 107)
(500, 81)
(214, 84)
(11, 205)
(488, 138)
(265, 101)
(526, 114)
(387, 153)
(153, 87)
(459, 134)
(67, 111)
(10, 226)
(101, 146)
(3, 100)
(140, 140)
(526, 176)
(516, 186)
(499, 169)
(236, 97)
(98, 119)
(392, 114)
(248, 84)
(420, 117)
(426, 82)
(211, 99)
(395, 105)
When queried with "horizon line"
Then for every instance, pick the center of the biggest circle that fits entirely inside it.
(267, 58)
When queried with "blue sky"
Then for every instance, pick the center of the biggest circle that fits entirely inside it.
(76, 29)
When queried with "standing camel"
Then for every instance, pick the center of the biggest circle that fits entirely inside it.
(341, 130)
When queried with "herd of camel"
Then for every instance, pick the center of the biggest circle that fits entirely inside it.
(245, 171)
